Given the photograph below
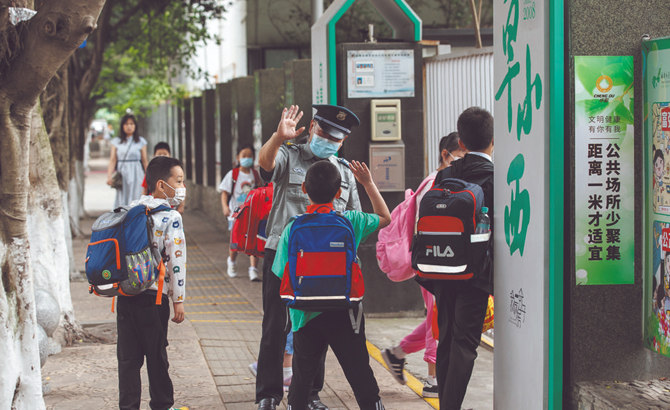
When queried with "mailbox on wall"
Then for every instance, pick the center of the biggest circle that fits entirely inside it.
(385, 120)
(387, 164)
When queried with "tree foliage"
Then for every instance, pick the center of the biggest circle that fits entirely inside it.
(153, 46)
(139, 46)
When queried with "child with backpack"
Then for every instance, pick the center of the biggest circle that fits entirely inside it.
(234, 189)
(389, 252)
(340, 323)
(142, 324)
(452, 252)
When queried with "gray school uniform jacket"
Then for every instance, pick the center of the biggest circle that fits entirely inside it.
(291, 165)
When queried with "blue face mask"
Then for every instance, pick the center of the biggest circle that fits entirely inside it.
(247, 162)
(322, 147)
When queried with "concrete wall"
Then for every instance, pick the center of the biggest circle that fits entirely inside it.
(242, 112)
(179, 132)
(604, 323)
(198, 139)
(224, 99)
(381, 294)
(187, 158)
(269, 93)
(211, 136)
(298, 85)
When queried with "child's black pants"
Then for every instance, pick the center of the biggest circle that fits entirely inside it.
(142, 332)
(270, 377)
(310, 344)
(461, 310)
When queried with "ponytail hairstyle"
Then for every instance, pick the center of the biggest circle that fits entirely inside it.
(450, 143)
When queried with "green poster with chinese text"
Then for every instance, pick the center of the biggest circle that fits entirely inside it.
(604, 160)
(656, 177)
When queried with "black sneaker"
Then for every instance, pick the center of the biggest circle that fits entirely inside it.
(395, 365)
(429, 390)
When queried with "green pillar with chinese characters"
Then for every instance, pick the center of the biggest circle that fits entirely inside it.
(529, 67)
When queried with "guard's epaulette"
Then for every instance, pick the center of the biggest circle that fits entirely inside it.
(292, 146)
(343, 162)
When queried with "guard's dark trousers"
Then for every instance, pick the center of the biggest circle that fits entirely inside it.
(310, 344)
(276, 325)
(461, 309)
(142, 332)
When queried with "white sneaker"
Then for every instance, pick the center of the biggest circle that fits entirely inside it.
(232, 268)
(253, 274)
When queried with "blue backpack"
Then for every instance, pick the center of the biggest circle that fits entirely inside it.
(121, 259)
(322, 272)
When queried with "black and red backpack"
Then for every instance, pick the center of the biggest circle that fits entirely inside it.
(445, 246)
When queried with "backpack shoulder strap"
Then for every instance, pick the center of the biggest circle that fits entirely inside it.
(159, 208)
(236, 174)
(423, 184)
(257, 178)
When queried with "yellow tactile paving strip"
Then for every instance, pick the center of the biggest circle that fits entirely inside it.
(412, 382)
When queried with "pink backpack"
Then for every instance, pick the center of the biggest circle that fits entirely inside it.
(394, 242)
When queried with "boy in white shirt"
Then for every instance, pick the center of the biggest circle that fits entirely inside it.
(142, 324)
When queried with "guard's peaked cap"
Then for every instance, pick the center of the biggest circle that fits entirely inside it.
(335, 120)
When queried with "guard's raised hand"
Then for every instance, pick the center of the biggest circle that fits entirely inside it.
(289, 120)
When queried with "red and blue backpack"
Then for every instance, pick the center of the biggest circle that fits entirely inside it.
(322, 272)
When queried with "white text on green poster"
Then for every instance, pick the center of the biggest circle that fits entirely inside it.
(604, 159)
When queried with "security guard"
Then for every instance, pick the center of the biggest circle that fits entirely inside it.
(285, 165)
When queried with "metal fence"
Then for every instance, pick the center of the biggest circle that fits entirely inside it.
(453, 83)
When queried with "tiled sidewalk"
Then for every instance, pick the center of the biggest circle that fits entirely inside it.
(226, 315)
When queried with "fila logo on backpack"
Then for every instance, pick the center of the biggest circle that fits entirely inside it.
(445, 245)
(322, 272)
(120, 259)
(248, 234)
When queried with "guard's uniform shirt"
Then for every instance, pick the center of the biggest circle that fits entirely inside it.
(291, 165)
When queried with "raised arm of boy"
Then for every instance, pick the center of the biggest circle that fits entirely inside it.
(364, 177)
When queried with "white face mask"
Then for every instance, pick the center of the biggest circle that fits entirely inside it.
(179, 195)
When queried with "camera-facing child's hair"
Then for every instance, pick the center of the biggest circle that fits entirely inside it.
(245, 146)
(162, 145)
(475, 128)
(450, 143)
(658, 154)
(160, 168)
(322, 182)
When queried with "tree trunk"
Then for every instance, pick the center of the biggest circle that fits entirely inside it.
(77, 139)
(54, 102)
(46, 230)
(48, 39)
(20, 375)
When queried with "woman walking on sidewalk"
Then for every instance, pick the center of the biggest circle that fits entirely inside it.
(129, 159)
